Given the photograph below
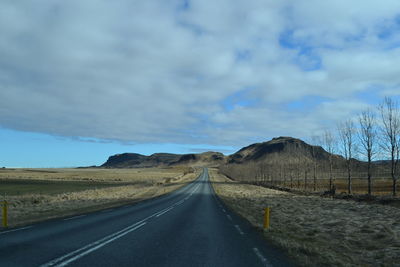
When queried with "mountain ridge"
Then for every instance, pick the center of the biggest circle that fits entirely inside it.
(278, 148)
(135, 160)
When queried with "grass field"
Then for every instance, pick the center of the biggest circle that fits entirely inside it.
(17, 187)
(318, 231)
(40, 194)
(380, 187)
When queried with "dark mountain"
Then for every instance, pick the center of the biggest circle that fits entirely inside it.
(202, 159)
(280, 148)
(133, 160)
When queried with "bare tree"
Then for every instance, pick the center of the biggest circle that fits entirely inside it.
(346, 135)
(329, 143)
(316, 140)
(367, 134)
(391, 134)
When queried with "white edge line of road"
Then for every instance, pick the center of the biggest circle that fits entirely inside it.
(262, 258)
(107, 210)
(99, 246)
(103, 241)
(60, 259)
(14, 230)
(165, 211)
(75, 217)
(238, 229)
(180, 202)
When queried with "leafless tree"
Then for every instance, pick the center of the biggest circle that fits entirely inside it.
(367, 135)
(329, 143)
(391, 134)
(346, 135)
(316, 140)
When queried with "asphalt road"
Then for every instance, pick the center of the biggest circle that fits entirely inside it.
(189, 227)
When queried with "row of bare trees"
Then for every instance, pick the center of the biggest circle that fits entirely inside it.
(375, 134)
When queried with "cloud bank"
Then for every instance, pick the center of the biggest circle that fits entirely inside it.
(195, 72)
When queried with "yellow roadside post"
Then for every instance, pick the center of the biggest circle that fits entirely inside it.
(5, 224)
(266, 217)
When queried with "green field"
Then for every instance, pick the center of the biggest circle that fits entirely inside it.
(17, 187)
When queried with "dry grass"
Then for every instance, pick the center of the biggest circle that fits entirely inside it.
(301, 177)
(319, 231)
(125, 186)
(93, 174)
(380, 187)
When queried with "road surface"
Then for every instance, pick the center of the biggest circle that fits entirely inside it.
(189, 227)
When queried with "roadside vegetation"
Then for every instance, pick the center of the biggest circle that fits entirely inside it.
(318, 231)
(39, 194)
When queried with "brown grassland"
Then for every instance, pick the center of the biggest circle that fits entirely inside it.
(318, 231)
(380, 186)
(40, 194)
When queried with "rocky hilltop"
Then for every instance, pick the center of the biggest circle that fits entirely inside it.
(211, 159)
(278, 149)
(134, 160)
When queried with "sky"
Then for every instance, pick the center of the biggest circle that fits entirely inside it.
(82, 80)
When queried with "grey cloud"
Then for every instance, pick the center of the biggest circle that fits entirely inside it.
(148, 71)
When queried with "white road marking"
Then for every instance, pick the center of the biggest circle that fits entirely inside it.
(239, 230)
(100, 241)
(75, 217)
(165, 211)
(223, 210)
(104, 240)
(14, 230)
(108, 210)
(96, 247)
(229, 217)
(262, 258)
(180, 202)
(76, 254)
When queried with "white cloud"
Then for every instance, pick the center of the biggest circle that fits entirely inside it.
(150, 71)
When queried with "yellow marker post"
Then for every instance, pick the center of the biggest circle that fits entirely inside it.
(266, 217)
(5, 224)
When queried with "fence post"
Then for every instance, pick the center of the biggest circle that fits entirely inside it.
(5, 222)
(266, 217)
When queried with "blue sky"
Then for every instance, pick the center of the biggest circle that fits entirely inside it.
(26, 149)
(82, 80)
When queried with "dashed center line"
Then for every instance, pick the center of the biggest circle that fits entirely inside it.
(223, 210)
(14, 230)
(229, 217)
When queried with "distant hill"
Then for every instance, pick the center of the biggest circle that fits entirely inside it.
(203, 159)
(134, 160)
(280, 148)
(129, 160)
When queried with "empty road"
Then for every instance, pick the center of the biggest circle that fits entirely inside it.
(189, 227)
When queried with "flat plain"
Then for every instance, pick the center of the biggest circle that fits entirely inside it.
(40, 194)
